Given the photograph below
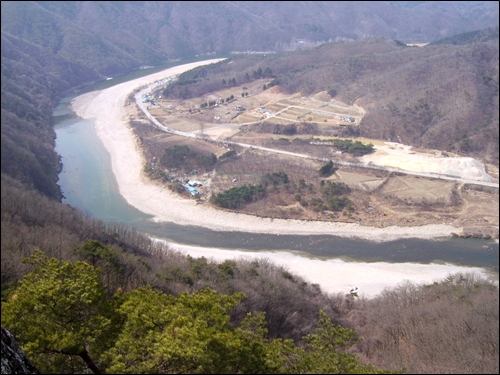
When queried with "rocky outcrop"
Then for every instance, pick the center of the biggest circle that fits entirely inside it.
(14, 361)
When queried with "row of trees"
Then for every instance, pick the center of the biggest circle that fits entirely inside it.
(231, 82)
(66, 323)
(257, 74)
(352, 147)
(212, 103)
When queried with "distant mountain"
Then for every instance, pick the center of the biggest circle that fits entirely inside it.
(491, 33)
(121, 35)
(49, 48)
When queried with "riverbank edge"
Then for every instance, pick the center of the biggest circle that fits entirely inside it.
(145, 195)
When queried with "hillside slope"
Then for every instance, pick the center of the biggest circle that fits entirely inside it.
(441, 97)
(43, 58)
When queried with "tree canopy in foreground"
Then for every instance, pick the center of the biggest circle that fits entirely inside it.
(66, 323)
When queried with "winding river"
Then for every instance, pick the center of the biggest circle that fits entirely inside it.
(88, 183)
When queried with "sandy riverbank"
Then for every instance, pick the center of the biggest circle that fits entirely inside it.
(337, 276)
(106, 107)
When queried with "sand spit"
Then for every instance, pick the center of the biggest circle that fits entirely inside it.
(337, 276)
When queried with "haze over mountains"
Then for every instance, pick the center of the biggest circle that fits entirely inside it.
(121, 35)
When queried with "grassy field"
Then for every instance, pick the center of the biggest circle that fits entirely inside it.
(414, 189)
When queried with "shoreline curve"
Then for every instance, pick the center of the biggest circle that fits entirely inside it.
(107, 108)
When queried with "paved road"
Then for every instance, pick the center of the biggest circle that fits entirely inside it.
(141, 105)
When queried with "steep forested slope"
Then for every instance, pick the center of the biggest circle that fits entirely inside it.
(490, 33)
(33, 80)
(149, 31)
(50, 47)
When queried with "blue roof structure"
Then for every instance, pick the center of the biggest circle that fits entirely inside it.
(193, 191)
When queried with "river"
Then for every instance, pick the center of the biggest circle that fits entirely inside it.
(88, 183)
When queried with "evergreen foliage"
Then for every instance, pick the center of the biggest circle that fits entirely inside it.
(326, 169)
(275, 179)
(240, 195)
(227, 154)
(335, 188)
(60, 313)
(237, 196)
(357, 148)
(66, 323)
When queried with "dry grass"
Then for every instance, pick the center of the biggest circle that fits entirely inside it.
(414, 189)
(358, 180)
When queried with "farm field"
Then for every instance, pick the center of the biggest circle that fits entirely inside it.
(256, 107)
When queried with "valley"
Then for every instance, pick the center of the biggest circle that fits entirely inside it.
(271, 132)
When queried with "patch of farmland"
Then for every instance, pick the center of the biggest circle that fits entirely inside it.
(320, 119)
(296, 111)
(294, 114)
(246, 117)
(220, 133)
(341, 110)
(359, 181)
(295, 101)
(318, 107)
(156, 111)
(286, 120)
(284, 103)
(278, 120)
(275, 107)
(326, 110)
(416, 189)
(194, 144)
(224, 180)
(182, 125)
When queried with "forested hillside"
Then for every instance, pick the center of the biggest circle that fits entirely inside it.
(49, 49)
(446, 316)
(33, 81)
(118, 34)
(43, 58)
(490, 33)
